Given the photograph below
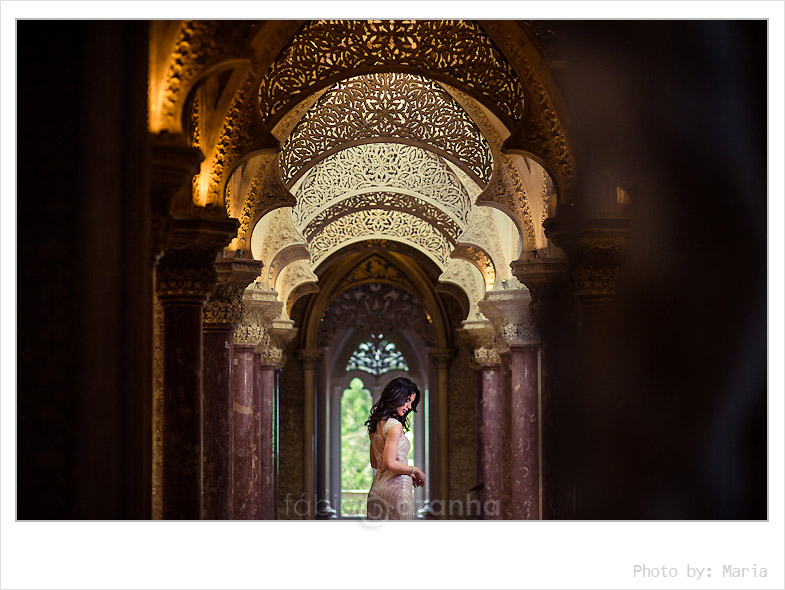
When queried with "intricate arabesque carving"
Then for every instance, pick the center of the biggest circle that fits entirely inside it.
(250, 330)
(187, 268)
(375, 308)
(225, 305)
(173, 164)
(391, 202)
(386, 105)
(290, 278)
(487, 356)
(323, 50)
(467, 277)
(201, 44)
(375, 268)
(543, 132)
(480, 259)
(377, 223)
(381, 167)
(505, 187)
(266, 193)
(273, 234)
(596, 250)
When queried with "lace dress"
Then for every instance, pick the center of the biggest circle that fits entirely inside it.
(392, 495)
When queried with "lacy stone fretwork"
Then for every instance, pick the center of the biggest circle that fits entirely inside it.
(391, 202)
(381, 167)
(374, 308)
(378, 223)
(386, 106)
(458, 51)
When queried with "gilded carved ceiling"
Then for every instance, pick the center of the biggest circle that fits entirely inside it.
(453, 50)
(383, 106)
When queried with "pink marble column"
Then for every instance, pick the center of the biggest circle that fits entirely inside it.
(217, 422)
(491, 416)
(185, 276)
(245, 443)
(506, 437)
(267, 505)
(525, 434)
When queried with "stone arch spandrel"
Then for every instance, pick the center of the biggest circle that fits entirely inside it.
(468, 277)
(416, 275)
(265, 194)
(542, 134)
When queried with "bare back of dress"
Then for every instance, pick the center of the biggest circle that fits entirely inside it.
(392, 495)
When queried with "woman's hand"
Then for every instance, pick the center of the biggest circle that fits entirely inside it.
(418, 477)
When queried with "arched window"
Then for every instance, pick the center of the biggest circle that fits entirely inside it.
(356, 473)
(377, 356)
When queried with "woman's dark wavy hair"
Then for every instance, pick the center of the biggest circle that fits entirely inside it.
(394, 395)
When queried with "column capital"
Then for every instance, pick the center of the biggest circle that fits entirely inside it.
(173, 163)
(487, 357)
(520, 335)
(596, 249)
(187, 270)
(510, 313)
(225, 305)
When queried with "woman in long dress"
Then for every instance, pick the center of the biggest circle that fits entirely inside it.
(392, 492)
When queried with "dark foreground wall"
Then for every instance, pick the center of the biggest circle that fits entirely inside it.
(84, 283)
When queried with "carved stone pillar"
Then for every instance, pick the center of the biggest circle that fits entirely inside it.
(491, 417)
(247, 390)
(587, 392)
(510, 313)
(185, 276)
(546, 279)
(441, 357)
(270, 360)
(310, 358)
(221, 314)
(173, 164)
(524, 426)
(595, 249)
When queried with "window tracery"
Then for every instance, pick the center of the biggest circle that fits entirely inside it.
(377, 356)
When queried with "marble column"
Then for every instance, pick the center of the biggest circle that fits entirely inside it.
(506, 436)
(509, 311)
(270, 360)
(246, 445)
(221, 314)
(310, 359)
(524, 426)
(185, 276)
(546, 279)
(491, 416)
(441, 357)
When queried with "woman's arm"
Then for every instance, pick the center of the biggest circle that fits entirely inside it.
(373, 459)
(390, 456)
